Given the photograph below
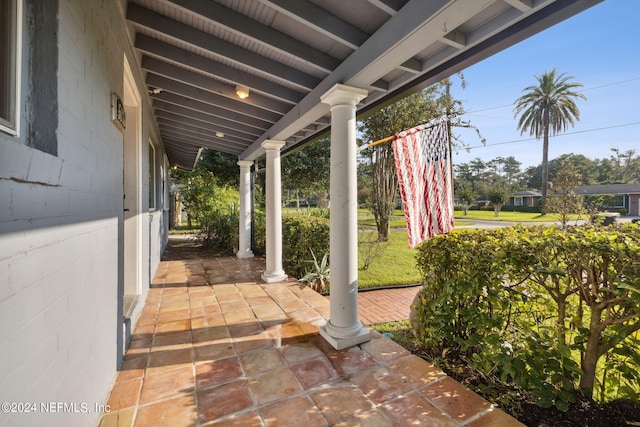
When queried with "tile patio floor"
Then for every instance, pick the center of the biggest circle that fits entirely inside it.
(215, 346)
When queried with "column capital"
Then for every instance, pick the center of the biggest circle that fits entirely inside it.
(271, 144)
(245, 163)
(343, 94)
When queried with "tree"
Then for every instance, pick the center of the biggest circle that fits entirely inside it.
(478, 166)
(588, 169)
(464, 193)
(546, 110)
(223, 165)
(511, 169)
(213, 205)
(365, 178)
(626, 167)
(563, 199)
(498, 194)
(481, 174)
(307, 170)
(463, 171)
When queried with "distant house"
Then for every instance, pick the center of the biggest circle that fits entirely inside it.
(628, 195)
(524, 198)
(481, 201)
(621, 196)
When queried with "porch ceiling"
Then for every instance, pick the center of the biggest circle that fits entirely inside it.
(288, 53)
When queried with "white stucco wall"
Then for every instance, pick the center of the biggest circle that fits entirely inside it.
(61, 231)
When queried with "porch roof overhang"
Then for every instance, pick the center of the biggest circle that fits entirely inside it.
(288, 53)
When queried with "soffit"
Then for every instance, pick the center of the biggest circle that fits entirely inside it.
(193, 53)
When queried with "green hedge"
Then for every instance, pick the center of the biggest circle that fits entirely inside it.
(218, 216)
(527, 209)
(507, 208)
(259, 232)
(302, 234)
(555, 312)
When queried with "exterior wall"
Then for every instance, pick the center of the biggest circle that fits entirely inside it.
(634, 204)
(526, 201)
(157, 239)
(61, 228)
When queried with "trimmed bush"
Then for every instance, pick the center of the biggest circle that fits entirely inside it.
(527, 209)
(555, 312)
(259, 232)
(302, 234)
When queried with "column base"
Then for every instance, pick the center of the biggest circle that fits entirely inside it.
(274, 276)
(338, 342)
(244, 254)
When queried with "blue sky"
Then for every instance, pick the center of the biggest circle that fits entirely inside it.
(600, 48)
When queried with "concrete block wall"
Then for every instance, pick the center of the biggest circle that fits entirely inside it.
(157, 239)
(61, 232)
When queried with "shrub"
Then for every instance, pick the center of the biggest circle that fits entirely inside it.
(555, 312)
(259, 232)
(370, 249)
(318, 278)
(219, 220)
(461, 289)
(301, 235)
(527, 209)
(213, 206)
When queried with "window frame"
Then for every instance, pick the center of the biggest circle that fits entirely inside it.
(153, 188)
(13, 67)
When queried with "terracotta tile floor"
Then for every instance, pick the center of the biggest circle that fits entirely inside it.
(215, 346)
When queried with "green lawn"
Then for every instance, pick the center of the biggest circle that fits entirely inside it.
(397, 266)
(509, 216)
(366, 219)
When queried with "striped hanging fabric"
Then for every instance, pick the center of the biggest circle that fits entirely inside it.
(423, 164)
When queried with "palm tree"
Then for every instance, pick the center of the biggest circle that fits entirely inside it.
(547, 109)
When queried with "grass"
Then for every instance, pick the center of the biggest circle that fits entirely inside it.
(397, 266)
(366, 219)
(400, 331)
(487, 215)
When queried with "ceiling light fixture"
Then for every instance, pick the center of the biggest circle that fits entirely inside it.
(220, 134)
(242, 91)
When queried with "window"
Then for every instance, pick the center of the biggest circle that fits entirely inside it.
(152, 177)
(10, 58)
(518, 201)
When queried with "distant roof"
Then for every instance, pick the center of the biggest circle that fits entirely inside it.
(609, 189)
(527, 193)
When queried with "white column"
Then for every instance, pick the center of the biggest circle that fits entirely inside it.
(244, 230)
(274, 271)
(343, 328)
